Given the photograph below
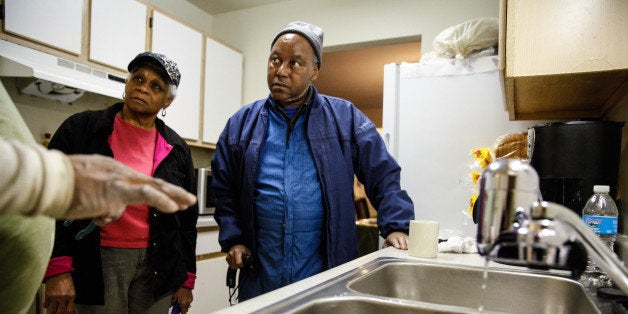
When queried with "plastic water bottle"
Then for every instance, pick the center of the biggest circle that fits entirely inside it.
(600, 214)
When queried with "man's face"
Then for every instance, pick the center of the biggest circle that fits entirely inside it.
(291, 68)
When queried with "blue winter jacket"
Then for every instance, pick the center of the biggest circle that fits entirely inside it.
(344, 142)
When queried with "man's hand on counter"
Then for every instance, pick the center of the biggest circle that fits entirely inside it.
(397, 239)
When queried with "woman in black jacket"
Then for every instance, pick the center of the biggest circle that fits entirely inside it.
(145, 260)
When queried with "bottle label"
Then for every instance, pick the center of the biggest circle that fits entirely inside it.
(601, 224)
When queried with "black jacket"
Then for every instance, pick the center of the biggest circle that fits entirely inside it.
(172, 250)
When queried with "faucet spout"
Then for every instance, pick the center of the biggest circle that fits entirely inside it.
(516, 227)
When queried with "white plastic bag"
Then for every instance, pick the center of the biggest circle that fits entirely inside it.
(461, 40)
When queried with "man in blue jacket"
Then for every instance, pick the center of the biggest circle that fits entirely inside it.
(283, 174)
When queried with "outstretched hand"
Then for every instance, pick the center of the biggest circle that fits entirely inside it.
(104, 187)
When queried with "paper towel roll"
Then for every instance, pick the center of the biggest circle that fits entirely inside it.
(423, 238)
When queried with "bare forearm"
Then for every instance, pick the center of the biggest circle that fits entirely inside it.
(34, 180)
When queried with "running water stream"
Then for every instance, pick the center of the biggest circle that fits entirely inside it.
(483, 286)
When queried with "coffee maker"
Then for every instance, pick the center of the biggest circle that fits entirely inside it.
(571, 157)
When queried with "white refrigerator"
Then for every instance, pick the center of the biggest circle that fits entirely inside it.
(435, 113)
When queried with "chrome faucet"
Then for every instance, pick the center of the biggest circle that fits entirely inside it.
(516, 227)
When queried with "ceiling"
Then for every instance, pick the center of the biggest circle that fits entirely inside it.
(214, 7)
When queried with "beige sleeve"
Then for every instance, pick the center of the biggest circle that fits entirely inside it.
(34, 180)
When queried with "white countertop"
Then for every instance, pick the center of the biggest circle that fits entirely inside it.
(206, 221)
(295, 288)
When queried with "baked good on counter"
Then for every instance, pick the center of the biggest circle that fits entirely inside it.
(513, 145)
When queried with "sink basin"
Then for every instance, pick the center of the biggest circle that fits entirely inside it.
(395, 285)
(365, 305)
(505, 291)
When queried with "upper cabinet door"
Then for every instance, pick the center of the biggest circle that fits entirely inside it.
(223, 88)
(55, 23)
(564, 59)
(118, 31)
(566, 36)
(184, 46)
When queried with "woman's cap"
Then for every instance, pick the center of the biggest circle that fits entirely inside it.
(169, 66)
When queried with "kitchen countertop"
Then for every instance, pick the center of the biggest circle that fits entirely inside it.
(206, 221)
(300, 286)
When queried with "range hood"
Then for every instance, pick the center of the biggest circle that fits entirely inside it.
(51, 90)
(56, 78)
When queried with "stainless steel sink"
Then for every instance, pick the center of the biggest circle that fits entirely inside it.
(369, 305)
(505, 291)
(394, 285)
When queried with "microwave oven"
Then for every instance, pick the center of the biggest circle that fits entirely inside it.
(204, 195)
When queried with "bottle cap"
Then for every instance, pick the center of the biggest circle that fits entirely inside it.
(601, 188)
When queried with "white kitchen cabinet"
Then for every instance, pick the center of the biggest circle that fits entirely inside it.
(184, 45)
(116, 41)
(207, 240)
(55, 23)
(223, 88)
(210, 291)
(211, 84)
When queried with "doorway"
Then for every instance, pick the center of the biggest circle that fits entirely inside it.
(356, 72)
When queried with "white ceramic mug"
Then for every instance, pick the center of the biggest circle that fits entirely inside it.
(423, 238)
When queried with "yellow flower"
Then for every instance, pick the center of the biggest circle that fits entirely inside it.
(483, 156)
(474, 197)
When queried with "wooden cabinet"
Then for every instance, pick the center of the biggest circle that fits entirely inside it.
(116, 41)
(57, 24)
(563, 59)
(223, 88)
(184, 45)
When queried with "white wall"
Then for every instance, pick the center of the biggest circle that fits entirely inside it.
(344, 22)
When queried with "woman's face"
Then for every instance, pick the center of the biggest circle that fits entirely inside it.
(146, 92)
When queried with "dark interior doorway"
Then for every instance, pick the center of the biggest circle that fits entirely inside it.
(356, 72)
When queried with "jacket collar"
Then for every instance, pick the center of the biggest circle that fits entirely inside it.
(311, 100)
(104, 124)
